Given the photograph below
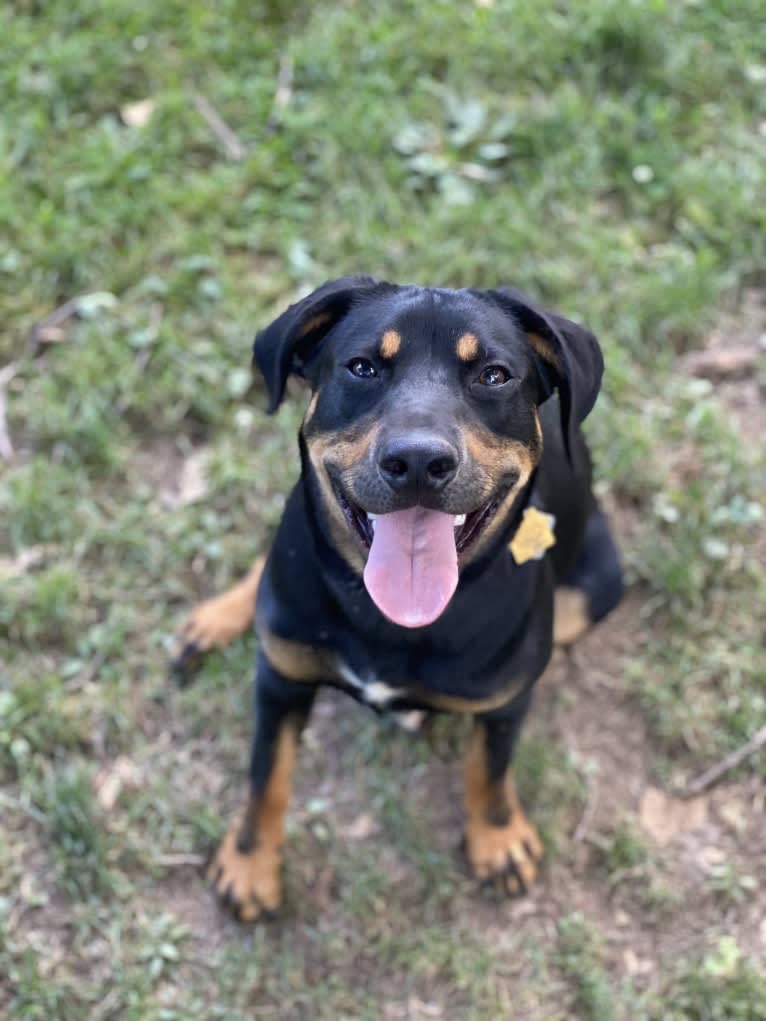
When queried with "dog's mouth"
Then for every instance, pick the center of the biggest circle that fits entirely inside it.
(412, 566)
(467, 527)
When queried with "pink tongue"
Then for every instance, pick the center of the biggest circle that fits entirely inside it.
(411, 571)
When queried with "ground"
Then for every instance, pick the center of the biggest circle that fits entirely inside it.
(172, 176)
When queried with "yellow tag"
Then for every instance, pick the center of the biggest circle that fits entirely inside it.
(533, 536)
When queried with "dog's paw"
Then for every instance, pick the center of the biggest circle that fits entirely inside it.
(248, 883)
(213, 624)
(505, 856)
(208, 626)
(216, 622)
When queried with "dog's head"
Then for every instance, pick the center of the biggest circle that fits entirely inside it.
(422, 431)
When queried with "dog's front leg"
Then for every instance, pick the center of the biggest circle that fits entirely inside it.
(246, 870)
(503, 846)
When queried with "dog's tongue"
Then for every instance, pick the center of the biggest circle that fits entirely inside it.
(411, 571)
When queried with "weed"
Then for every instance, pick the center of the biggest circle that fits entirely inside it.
(724, 986)
(624, 852)
(77, 841)
(578, 957)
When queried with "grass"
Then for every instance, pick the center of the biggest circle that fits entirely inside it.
(578, 951)
(604, 156)
(721, 986)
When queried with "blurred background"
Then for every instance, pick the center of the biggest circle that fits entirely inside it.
(172, 176)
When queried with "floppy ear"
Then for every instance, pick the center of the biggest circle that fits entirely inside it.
(288, 343)
(568, 355)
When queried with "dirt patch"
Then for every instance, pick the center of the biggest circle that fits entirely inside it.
(175, 470)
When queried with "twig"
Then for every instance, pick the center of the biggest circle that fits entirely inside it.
(6, 447)
(588, 812)
(712, 775)
(44, 330)
(14, 803)
(174, 860)
(284, 82)
(7, 374)
(156, 312)
(89, 674)
(231, 142)
(283, 93)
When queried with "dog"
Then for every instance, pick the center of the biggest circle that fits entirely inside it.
(442, 535)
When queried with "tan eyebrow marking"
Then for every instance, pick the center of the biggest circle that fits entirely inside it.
(545, 349)
(467, 347)
(390, 343)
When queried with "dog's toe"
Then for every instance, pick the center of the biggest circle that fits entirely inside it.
(506, 856)
(246, 883)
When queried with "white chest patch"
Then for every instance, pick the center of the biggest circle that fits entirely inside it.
(378, 693)
(373, 692)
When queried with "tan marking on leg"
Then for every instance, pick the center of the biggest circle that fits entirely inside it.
(390, 343)
(503, 846)
(468, 347)
(545, 349)
(216, 622)
(246, 868)
(570, 615)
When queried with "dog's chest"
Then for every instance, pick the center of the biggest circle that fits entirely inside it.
(368, 688)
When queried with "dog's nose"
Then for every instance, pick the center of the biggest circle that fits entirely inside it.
(418, 463)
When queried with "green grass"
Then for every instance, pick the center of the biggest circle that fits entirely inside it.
(76, 835)
(606, 157)
(578, 953)
(720, 987)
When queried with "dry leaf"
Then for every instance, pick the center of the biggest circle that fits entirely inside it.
(635, 965)
(735, 814)
(411, 720)
(421, 1009)
(191, 485)
(663, 816)
(109, 783)
(27, 559)
(394, 1010)
(711, 858)
(51, 335)
(722, 363)
(362, 827)
(136, 115)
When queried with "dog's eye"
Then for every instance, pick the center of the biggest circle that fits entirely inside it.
(494, 375)
(362, 368)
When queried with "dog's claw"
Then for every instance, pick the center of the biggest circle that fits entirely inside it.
(505, 856)
(184, 663)
(247, 885)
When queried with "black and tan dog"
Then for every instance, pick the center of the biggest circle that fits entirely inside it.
(443, 510)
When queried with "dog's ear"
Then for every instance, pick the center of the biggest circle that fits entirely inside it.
(568, 356)
(290, 341)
